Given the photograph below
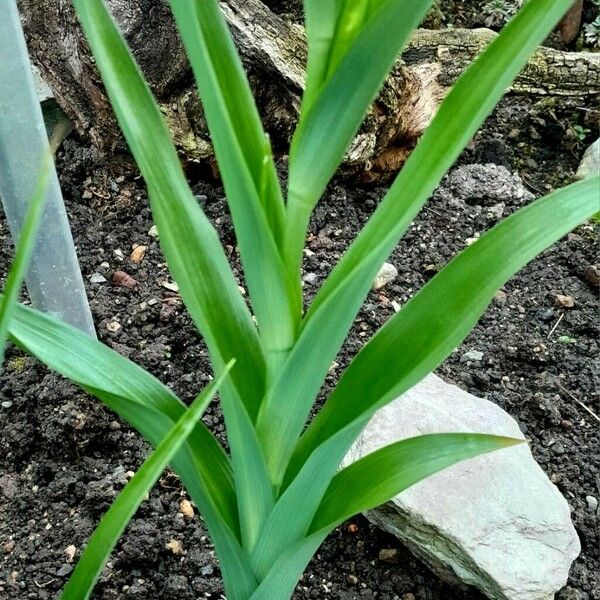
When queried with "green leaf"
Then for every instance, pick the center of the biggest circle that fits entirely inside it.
(335, 306)
(366, 484)
(367, 39)
(320, 17)
(152, 409)
(446, 309)
(207, 284)
(125, 505)
(246, 165)
(378, 477)
(23, 250)
(443, 313)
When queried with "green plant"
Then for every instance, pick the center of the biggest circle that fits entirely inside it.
(270, 502)
(499, 12)
(592, 32)
(581, 132)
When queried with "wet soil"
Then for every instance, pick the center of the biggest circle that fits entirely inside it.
(63, 456)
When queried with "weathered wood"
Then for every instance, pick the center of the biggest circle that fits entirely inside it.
(274, 53)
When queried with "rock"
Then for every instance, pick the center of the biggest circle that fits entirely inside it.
(175, 547)
(310, 278)
(485, 185)
(8, 486)
(153, 231)
(97, 278)
(170, 285)
(186, 509)
(124, 280)
(564, 301)
(496, 521)
(6, 403)
(500, 297)
(387, 273)
(592, 275)
(590, 163)
(138, 253)
(471, 356)
(70, 552)
(390, 555)
(118, 254)
(64, 570)
(592, 503)
(113, 326)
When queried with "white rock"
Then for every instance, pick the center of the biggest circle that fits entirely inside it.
(97, 278)
(153, 231)
(387, 274)
(590, 163)
(496, 521)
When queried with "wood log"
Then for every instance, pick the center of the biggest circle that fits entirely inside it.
(274, 53)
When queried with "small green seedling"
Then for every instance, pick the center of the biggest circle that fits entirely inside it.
(271, 500)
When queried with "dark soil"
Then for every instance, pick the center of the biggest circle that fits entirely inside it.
(63, 457)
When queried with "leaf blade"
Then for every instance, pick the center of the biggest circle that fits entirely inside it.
(246, 163)
(207, 284)
(334, 308)
(383, 474)
(123, 508)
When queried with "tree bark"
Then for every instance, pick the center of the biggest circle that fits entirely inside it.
(274, 53)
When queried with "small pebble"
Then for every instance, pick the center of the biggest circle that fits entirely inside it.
(170, 285)
(592, 275)
(7, 404)
(353, 579)
(124, 279)
(175, 547)
(70, 552)
(153, 231)
(387, 273)
(97, 278)
(564, 301)
(186, 509)
(113, 326)
(118, 254)
(471, 355)
(137, 256)
(390, 555)
(64, 570)
(592, 503)
(310, 278)
(500, 297)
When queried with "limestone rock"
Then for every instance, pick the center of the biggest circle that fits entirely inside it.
(496, 521)
(386, 274)
(590, 163)
(484, 185)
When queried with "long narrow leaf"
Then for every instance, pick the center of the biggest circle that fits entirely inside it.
(23, 250)
(378, 477)
(152, 409)
(114, 522)
(368, 483)
(246, 164)
(443, 312)
(335, 306)
(366, 42)
(446, 309)
(207, 284)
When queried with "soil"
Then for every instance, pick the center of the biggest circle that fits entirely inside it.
(63, 456)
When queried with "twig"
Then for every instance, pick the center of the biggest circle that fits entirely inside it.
(572, 396)
(556, 325)
(43, 585)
